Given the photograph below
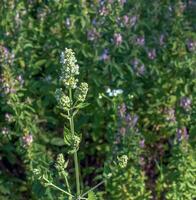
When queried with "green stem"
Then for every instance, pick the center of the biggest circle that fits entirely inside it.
(58, 188)
(76, 163)
(93, 188)
(68, 187)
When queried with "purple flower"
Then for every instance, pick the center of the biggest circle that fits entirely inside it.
(133, 20)
(142, 143)
(135, 119)
(5, 55)
(131, 120)
(103, 11)
(138, 67)
(182, 133)
(126, 19)
(105, 55)
(117, 38)
(170, 114)
(92, 34)
(185, 103)
(191, 45)
(27, 140)
(140, 40)
(152, 54)
(122, 110)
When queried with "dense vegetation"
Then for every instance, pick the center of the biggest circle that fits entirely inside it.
(138, 58)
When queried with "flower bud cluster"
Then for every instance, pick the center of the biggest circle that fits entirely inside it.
(61, 165)
(69, 69)
(63, 100)
(81, 92)
(74, 144)
(122, 161)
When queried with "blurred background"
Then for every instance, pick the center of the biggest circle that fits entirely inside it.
(138, 58)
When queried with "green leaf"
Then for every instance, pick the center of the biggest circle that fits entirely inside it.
(57, 141)
(67, 136)
(40, 63)
(91, 196)
(82, 105)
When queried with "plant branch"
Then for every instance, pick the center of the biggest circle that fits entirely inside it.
(93, 188)
(56, 187)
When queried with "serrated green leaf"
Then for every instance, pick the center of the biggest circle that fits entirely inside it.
(92, 196)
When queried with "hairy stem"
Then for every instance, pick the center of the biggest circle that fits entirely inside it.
(76, 163)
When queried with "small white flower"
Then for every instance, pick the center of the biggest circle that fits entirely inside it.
(114, 93)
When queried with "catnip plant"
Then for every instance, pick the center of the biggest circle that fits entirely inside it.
(71, 98)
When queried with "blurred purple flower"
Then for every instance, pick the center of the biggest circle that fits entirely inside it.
(27, 140)
(117, 38)
(103, 11)
(138, 67)
(141, 70)
(131, 120)
(126, 20)
(142, 143)
(182, 133)
(105, 55)
(140, 40)
(191, 45)
(152, 54)
(185, 103)
(5, 55)
(135, 119)
(133, 20)
(122, 110)
(170, 114)
(92, 34)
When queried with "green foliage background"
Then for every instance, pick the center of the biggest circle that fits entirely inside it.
(36, 31)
